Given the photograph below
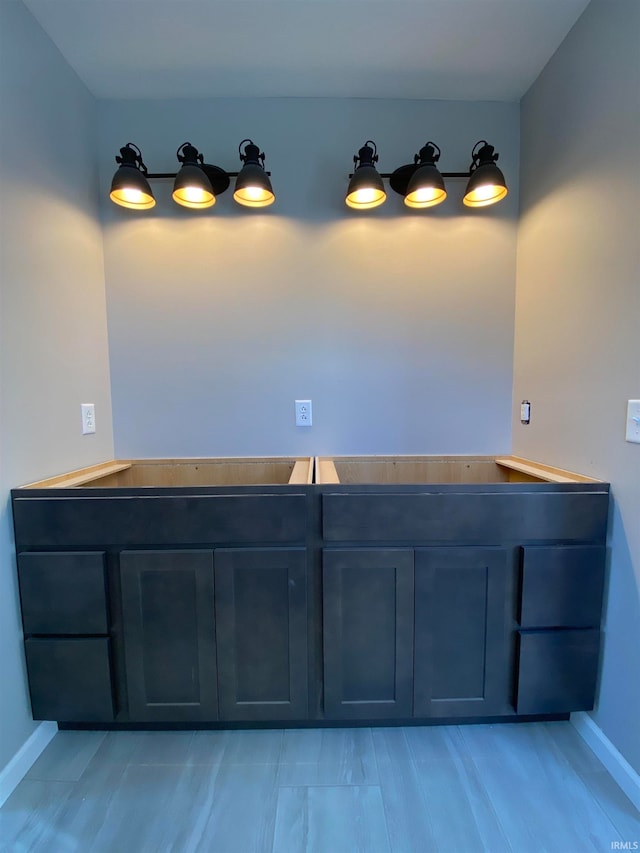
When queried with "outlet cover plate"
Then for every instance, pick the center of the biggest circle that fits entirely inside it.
(633, 421)
(88, 418)
(303, 413)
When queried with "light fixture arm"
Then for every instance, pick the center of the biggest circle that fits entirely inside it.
(482, 156)
(427, 154)
(252, 153)
(367, 155)
(188, 153)
(130, 155)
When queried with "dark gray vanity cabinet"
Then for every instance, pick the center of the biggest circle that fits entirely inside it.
(276, 604)
(368, 633)
(462, 620)
(261, 633)
(67, 643)
(169, 635)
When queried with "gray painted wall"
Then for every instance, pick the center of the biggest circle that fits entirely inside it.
(398, 325)
(578, 306)
(53, 336)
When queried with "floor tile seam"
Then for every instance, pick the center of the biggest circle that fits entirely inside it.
(327, 763)
(53, 809)
(431, 759)
(487, 798)
(29, 778)
(577, 776)
(586, 774)
(380, 787)
(487, 793)
(531, 789)
(332, 785)
(423, 800)
(558, 750)
(197, 763)
(610, 818)
(410, 760)
(555, 749)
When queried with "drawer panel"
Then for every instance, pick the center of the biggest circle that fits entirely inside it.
(557, 671)
(562, 587)
(481, 517)
(50, 523)
(70, 679)
(63, 593)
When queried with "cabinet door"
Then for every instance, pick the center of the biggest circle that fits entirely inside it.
(461, 639)
(261, 633)
(368, 633)
(169, 635)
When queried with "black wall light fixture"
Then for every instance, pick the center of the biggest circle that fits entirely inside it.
(366, 189)
(197, 183)
(421, 183)
(253, 187)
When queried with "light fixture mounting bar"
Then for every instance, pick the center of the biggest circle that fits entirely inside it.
(391, 174)
(399, 179)
(173, 174)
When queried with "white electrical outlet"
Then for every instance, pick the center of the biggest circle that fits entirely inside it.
(633, 421)
(88, 418)
(303, 413)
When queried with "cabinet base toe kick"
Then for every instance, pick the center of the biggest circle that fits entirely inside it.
(239, 725)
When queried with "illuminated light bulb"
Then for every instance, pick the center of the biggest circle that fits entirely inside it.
(485, 195)
(194, 197)
(254, 196)
(132, 198)
(366, 198)
(425, 197)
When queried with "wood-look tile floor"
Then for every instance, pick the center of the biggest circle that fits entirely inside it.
(526, 788)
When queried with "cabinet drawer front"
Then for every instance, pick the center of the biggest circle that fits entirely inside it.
(70, 679)
(557, 671)
(562, 587)
(47, 523)
(63, 593)
(482, 517)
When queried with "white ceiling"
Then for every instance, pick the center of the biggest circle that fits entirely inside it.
(443, 49)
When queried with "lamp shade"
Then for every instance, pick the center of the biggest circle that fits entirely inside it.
(129, 187)
(192, 188)
(366, 189)
(487, 184)
(253, 187)
(426, 186)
